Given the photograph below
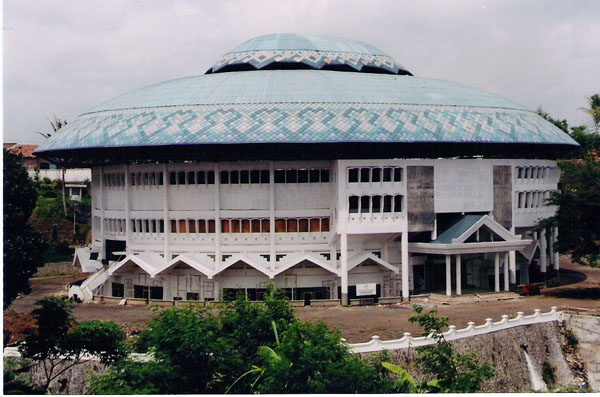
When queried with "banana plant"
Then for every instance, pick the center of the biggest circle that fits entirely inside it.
(406, 383)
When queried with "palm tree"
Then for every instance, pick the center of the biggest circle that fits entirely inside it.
(594, 110)
(56, 125)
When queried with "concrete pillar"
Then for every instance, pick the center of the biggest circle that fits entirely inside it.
(102, 226)
(167, 233)
(497, 272)
(127, 211)
(543, 252)
(448, 275)
(405, 271)
(555, 254)
(217, 198)
(272, 214)
(506, 276)
(458, 280)
(512, 267)
(344, 267)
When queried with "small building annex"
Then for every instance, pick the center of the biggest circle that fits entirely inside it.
(320, 165)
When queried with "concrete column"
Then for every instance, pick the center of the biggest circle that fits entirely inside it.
(448, 275)
(127, 211)
(405, 267)
(167, 233)
(543, 252)
(555, 254)
(102, 206)
(506, 276)
(497, 272)
(344, 267)
(512, 262)
(272, 213)
(458, 280)
(218, 217)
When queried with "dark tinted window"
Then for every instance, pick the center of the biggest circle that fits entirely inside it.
(324, 175)
(376, 175)
(279, 176)
(353, 175)
(291, 176)
(224, 177)
(264, 176)
(314, 176)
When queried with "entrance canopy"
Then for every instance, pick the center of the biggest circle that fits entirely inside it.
(472, 234)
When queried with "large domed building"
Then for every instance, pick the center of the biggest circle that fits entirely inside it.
(320, 165)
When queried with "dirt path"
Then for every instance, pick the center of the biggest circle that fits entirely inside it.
(358, 324)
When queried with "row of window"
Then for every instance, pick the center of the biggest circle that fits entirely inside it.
(146, 178)
(282, 225)
(302, 175)
(374, 174)
(113, 179)
(532, 199)
(537, 172)
(374, 204)
(244, 177)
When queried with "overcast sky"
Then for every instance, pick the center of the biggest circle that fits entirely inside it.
(63, 57)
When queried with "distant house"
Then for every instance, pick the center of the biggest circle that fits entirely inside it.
(31, 162)
(38, 168)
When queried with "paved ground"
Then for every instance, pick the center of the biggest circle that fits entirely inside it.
(358, 324)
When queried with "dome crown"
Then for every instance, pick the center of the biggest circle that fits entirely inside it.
(296, 51)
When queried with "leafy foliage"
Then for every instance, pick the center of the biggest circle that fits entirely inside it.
(455, 373)
(578, 202)
(59, 342)
(23, 246)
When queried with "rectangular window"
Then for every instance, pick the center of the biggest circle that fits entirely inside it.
(160, 178)
(303, 225)
(280, 226)
(201, 226)
(173, 226)
(245, 177)
(192, 296)
(133, 229)
(302, 176)
(145, 178)
(172, 178)
(183, 226)
(279, 176)
(153, 225)
(265, 226)
(210, 177)
(255, 176)
(264, 176)
(235, 226)
(122, 178)
(291, 176)
(162, 225)
(191, 178)
(353, 175)
(376, 204)
(225, 226)
(138, 178)
(211, 225)
(153, 179)
(224, 177)
(255, 226)
(132, 179)
(192, 224)
(245, 225)
(364, 204)
(397, 203)
(234, 177)
(364, 174)
(324, 224)
(181, 178)
(397, 174)
(292, 225)
(315, 225)
(156, 293)
(376, 175)
(201, 178)
(325, 175)
(313, 176)
(118, 290)
(353, 204)
(146, 227)
(387, 174)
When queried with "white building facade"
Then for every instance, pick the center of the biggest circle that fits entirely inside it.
(338, 218)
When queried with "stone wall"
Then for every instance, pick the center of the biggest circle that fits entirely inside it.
(587, 331)
(56, 269)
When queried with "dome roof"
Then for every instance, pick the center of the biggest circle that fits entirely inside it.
(318, 113)
(295, 51)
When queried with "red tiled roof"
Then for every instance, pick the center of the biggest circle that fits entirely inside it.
(25, 150)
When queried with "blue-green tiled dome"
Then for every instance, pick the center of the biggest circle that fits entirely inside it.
(303, 107)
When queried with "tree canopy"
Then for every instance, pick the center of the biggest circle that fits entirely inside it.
(24, 248)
